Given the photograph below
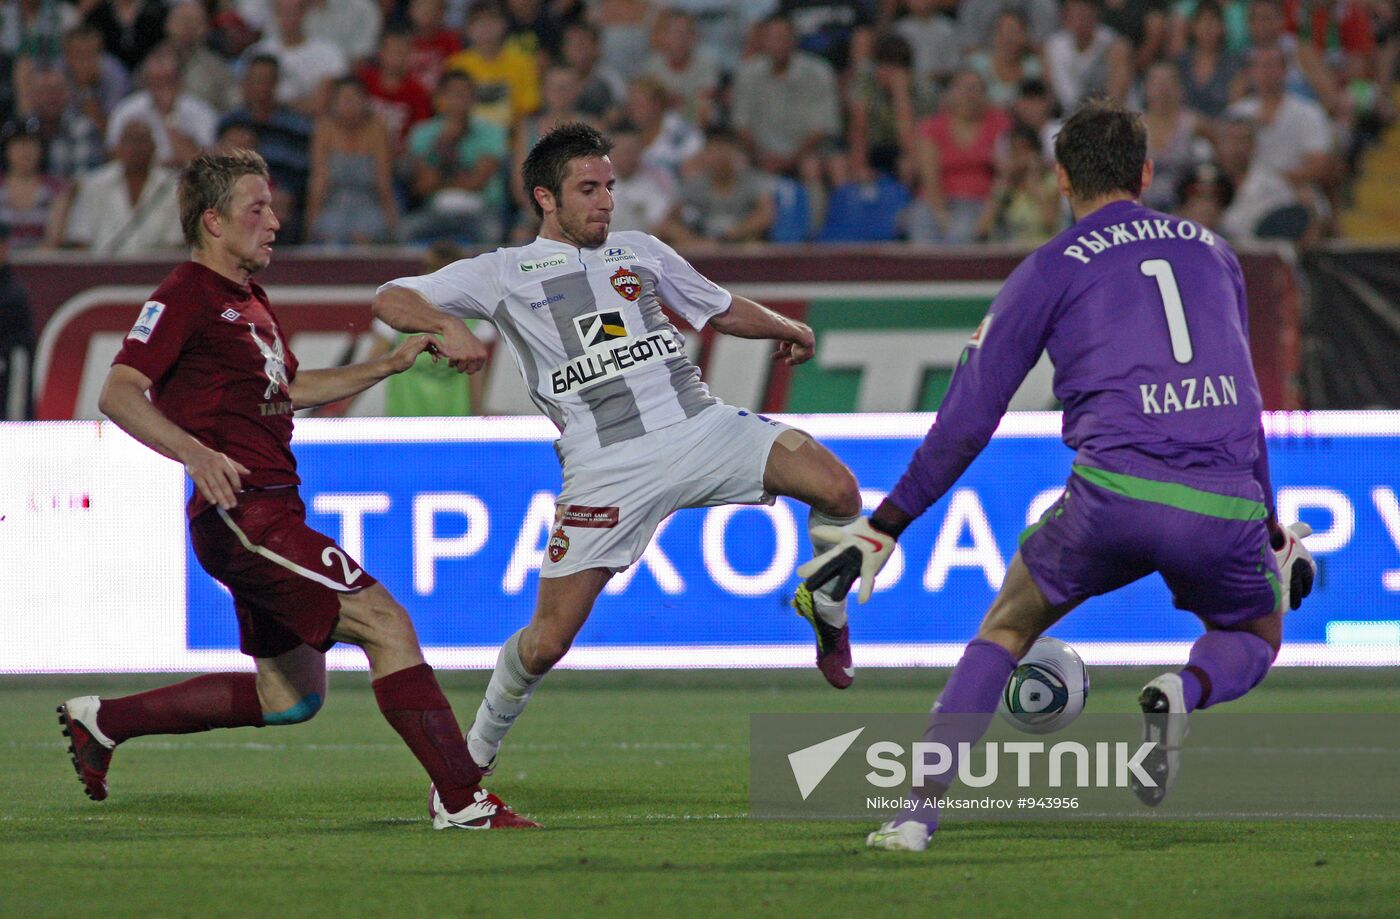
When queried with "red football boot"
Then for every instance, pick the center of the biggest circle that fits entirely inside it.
(90, 749)
(486, 812)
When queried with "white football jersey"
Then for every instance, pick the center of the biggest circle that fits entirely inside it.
(586, 329)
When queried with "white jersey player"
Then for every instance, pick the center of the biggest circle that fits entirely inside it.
(641, 435)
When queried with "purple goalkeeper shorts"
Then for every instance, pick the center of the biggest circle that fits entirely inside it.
(1207, 539)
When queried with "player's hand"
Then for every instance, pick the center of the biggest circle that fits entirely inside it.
(1296, 568)
(859, 551)
(463, 350)
(407, 351)
(217, 477)
(799, 348)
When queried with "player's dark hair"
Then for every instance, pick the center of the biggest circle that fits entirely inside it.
(547, 164)
(1102, 148)
(208, 181)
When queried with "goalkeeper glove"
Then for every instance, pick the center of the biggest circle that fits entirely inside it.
(858, 551)
(1296, 568)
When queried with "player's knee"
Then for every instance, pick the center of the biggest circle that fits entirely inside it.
(1270, 628)
(304, 710)
(379, 620)
(842, 492)
(548, 650)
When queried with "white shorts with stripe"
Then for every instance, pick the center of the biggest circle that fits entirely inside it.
(615, 497)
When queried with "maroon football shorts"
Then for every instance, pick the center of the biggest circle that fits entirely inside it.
(286, 578)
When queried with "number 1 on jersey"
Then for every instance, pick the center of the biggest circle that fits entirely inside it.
(1160, 270)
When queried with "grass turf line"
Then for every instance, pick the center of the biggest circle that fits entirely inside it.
(641, 779)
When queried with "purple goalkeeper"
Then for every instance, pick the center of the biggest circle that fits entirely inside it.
(1144, 317)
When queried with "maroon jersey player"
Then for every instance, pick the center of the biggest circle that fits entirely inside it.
(208, 349)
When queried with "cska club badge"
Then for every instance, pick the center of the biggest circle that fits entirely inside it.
(558, 544)
(625, 282)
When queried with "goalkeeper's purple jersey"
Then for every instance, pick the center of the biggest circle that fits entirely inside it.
(1144, 317)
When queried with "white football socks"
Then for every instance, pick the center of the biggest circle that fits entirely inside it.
(833, 612)
(506, 697)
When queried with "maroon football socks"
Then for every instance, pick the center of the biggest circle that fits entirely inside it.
(413, 703)
(216, 700)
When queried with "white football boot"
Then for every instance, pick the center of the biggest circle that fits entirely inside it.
(486, 812)
(909, 836)
(1163, 703)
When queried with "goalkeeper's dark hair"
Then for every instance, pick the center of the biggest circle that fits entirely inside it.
(1102, 147)
(547, 164)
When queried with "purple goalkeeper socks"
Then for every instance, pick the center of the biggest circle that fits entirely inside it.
(961, 715)
(1224, 666)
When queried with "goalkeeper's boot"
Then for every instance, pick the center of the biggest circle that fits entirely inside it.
(90, 749)
(486, 812)
(833, 642)
(1163, 704)
(909, 836)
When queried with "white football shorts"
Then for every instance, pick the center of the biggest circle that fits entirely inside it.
(615, 497)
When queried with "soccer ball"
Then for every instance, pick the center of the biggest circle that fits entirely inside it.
(1047, 690)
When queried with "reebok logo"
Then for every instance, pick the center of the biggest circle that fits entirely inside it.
(811, 764)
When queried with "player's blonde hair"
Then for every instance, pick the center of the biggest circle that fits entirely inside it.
(208, 181)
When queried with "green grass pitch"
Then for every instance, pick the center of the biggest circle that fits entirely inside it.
(641, 779)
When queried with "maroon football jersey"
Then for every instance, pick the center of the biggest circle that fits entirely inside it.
(219, 369)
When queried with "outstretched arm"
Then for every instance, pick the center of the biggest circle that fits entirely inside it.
(124, 401)
(317, 387)
(409, 311)
(748, 319)
(1001, 353)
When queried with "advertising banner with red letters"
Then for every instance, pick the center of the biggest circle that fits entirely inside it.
(890, 323)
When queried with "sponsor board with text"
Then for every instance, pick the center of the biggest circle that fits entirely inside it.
(424, 507)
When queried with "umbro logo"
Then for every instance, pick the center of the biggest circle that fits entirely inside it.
(230, 314)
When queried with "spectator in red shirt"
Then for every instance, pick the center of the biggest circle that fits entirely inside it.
(433, 41)
(956, 153)
(395, 93)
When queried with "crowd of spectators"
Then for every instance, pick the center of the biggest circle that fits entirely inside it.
(735, 120)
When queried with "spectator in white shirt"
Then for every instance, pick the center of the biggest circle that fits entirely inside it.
(181, 124)
(308, 64)
(932, 37)
(129, 205)
(689, 71)
(644, 193)
(353, 26)
(1086, 58)
(205, 74)
(668, 139)
(977, 19)
(1263, 201)
(786, 108)
(1293, 136)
